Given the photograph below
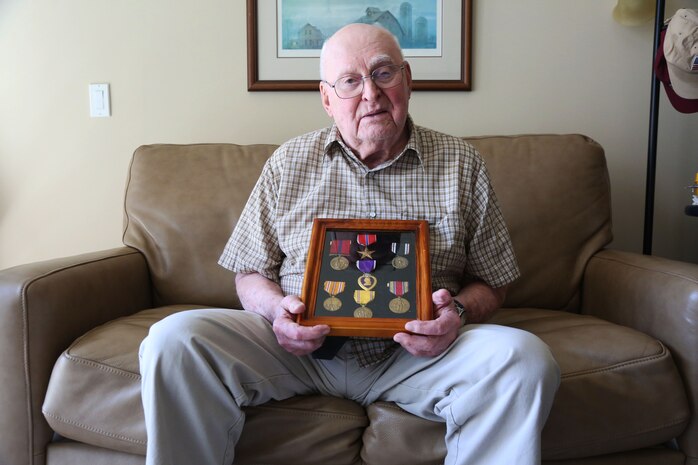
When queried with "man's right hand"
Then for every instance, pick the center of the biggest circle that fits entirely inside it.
(296, 339)
(264, 297)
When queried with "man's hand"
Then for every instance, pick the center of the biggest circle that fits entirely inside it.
(264, 297)
(430, 338)
(296, 339)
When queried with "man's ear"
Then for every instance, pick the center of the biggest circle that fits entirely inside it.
(325, 96)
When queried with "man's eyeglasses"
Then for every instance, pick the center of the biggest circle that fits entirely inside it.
(352, 85)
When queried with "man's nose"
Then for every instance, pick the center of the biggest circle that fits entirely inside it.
(371, 90)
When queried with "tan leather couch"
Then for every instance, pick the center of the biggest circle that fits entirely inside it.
(623, 326)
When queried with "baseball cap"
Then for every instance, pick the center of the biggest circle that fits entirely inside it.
(681, 53)
(660, 70)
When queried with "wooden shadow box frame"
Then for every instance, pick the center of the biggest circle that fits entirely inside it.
(367, 278)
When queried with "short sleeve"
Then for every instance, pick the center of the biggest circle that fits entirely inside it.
(491, 255)
(254, 246)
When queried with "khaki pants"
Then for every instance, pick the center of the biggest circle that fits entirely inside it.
(493, 388)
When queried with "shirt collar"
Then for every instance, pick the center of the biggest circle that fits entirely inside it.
(413, 146)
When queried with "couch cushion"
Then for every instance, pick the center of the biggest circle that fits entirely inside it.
(609, 398)
(619, 391)
(182, 202)
(94, 394)
(554, 193)
(94, 397)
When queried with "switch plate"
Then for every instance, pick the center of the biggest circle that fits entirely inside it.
(99, 101)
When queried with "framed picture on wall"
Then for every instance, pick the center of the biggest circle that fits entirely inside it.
(284, 38)
(367, 277)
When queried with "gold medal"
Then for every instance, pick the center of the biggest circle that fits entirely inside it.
(362, 298)
(339, 249)
(339, 263)
(400, 262)
(367, 282)
(399, 305)
(363, 312)
(365, 240)
(332, 304)
(366, 253)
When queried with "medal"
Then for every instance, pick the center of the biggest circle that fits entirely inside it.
(400, 262)
(332, 304)
(363, 312)
(366, 240)
(333, 288)
(339, 249)
(362, 298)
(398, 304)
(366, 281)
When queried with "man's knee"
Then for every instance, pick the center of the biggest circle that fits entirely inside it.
(168, 337)
(532, 362)
(525, 356)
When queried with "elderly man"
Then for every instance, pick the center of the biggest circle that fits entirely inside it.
(492, 386)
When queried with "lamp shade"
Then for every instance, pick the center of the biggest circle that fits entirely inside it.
(633, 12)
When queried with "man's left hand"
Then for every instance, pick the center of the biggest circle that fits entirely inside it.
(430, 338)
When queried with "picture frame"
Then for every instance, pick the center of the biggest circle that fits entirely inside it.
(367, 277)
(451, 70)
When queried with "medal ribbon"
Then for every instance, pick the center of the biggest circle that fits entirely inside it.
(395, 245)
(364, 297)
(334, 287)
(399, 288)
(342, 247)
(366, 239)
(366, 266)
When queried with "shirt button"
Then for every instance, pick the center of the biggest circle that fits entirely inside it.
(372, 214)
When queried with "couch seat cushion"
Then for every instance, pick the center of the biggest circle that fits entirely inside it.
(619, 391)
(94, 397)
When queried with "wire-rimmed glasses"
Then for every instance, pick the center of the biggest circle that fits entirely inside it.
(352, 85)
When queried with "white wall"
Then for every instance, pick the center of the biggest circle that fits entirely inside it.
(178, 74)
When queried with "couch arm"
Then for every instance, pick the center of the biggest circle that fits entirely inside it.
(658, 297)
(44, 306)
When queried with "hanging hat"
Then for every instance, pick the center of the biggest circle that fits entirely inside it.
(661, 71)
(681, 53)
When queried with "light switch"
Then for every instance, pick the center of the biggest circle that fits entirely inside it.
(99, 101)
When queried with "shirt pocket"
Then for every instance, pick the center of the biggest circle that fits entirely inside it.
(447, 244)
(447, 247)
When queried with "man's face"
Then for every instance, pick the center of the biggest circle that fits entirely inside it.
(375, 119)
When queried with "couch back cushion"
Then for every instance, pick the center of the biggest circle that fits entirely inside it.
(182, 202)
(555, 195)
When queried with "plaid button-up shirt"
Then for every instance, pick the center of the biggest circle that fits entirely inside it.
(438, 178)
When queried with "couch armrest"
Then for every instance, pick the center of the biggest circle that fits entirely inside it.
(44, 306)
(658, 297)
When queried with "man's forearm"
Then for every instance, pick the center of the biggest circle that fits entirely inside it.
(480, 300)
(259, 294)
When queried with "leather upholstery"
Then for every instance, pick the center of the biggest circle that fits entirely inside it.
(629, 360)
(628, 288)
(44, 307)
(182, 202)
(560, 185)
(94, 397)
